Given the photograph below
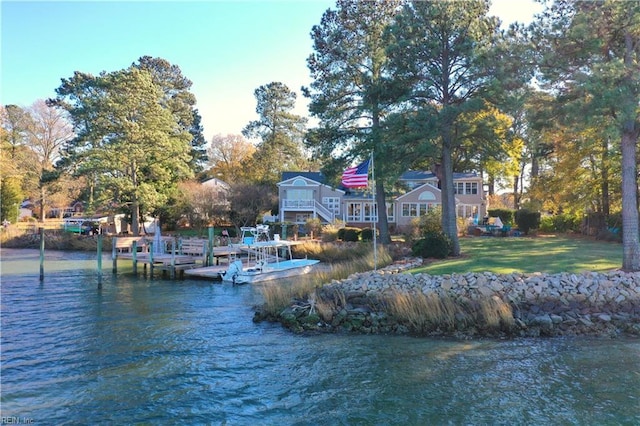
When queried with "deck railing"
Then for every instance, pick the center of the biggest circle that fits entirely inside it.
(312, 205)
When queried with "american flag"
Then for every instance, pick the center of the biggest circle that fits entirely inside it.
(356, 177)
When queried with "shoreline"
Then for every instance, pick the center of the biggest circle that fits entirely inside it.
(470, 305)
(476, 304)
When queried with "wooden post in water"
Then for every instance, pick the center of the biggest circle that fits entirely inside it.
(41, 231)
(99, 258)
(172, 272)
(134, 255)
(150, 259)
(114, 254)
(210, 248)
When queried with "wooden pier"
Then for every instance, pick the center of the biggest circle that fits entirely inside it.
(174, 256)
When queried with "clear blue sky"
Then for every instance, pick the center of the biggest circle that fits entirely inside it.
(226, 48)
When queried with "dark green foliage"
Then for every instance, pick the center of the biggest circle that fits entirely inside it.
(180, 101)
(505, 215)
(10, 198)
(280, 133)
(434, 244)
(561, 223)
(367, 234)
(431, 221)
(527, 220)
(349, 234)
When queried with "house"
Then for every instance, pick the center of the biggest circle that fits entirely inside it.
(305, 195)
(219, 187)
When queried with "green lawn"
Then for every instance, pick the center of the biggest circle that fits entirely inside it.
(546, 253)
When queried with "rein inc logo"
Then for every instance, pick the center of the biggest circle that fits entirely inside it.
(10, 420)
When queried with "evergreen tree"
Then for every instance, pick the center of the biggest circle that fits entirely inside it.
(590, 53)
(351, 93)
(443, 51)
(180, 101)
(127, 140)
(279, 133)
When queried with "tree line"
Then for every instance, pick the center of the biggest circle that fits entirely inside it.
(549, 111)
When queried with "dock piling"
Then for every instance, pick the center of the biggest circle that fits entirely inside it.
(41, 231)
(99, 258)
(134, 253)
(210, 249)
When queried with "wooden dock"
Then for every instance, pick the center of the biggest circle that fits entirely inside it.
(175, 256)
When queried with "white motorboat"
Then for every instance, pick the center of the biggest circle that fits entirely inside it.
(265, 260)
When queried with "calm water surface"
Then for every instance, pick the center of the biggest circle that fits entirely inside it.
(140, 350)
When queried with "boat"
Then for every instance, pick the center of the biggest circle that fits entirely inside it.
(266, 259)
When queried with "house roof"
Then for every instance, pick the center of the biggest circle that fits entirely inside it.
(414, 175)
(315, 176)
(417, 175)
(216, 182)
(420, 189)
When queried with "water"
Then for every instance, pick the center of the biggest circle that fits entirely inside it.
(140, 350)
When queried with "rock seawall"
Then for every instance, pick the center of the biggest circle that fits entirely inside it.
(602, 304)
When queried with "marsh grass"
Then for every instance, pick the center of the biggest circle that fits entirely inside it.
(278, 296)
(334, 252)
(424, 313)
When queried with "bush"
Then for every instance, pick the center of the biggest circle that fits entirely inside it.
(367, 234)
(350, 234)
(431, 221)
(527, 220)
(313, 226)
(434, 244)
(560, 223)
(505, 215)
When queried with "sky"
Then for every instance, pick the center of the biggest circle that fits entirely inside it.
(226, 48)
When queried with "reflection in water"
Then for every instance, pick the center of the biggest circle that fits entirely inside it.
(148, 350)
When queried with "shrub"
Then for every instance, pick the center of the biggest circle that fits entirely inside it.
(350, 234)
(434, 244)
(367, 234)
(527, 220)
(431, 221)
(462, 225)
(505, 215)
(560, 223)
(313, 226)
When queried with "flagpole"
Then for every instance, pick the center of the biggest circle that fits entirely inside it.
(374, 209)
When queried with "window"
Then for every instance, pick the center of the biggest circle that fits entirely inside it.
(427, 196)
(302, 217)
(466, 188)
(370, 212)
(471, 188)
(467, 210)
(390, 213)
(332, 204)
(354, 212)
(300, 194)
(416, 209)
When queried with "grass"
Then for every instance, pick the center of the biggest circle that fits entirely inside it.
(278, 296)
(424, 313)
(546, 253)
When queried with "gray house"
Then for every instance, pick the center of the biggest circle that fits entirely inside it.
(304, 195)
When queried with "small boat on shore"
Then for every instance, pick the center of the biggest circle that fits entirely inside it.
(266, 260)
